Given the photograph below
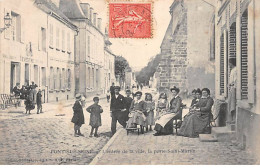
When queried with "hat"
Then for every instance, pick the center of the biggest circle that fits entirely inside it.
(138, 92)
(117, 87)
(95, 98)
(176, 89)
(206, 89)
(128, 91)
(78, 96)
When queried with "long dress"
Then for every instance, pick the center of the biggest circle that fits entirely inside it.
(78, 116)
(195, 124)
(137, 114)
(95, 117)
(164, 125)
(150, 105)
(161, 107)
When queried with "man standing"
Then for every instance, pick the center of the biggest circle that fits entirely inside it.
(117, 109)
(39, 101)
(112, 89)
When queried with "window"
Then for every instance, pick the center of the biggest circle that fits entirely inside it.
(15, 27)
(43, 76)
(26, 74)
(88, 46)
(43, 39)
(69, 78)
(52, 79)
(36, 74)
(68, 41)
(58, 79)
(244, 55)
(57, 38)
(51, 35)
(63, 40)
(212, 43)
(89, 78)
(97, 78)
(63, 79)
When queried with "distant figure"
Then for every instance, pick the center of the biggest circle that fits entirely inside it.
(95, 118)
(16, 90)
(39, 101)
(137, 87)
(34, 92)
(112, 89)
(141, 86)
(108, 96)
(231, 118)
(78, 116)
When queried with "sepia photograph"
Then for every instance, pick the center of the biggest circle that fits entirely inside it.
(129, 82)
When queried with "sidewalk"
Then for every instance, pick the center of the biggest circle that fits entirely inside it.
(148, 149)
(47, 107)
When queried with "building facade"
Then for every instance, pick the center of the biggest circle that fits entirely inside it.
(34, 51)
(235, 33)
(184, 49)
(90, 44)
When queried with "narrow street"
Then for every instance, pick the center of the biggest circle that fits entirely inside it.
(48, 138)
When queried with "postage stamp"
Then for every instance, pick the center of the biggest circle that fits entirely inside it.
(130, 20)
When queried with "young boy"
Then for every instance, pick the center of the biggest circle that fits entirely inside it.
(78, 116)
(39, 101)
(95, 117)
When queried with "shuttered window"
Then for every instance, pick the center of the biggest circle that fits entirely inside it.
(244, 55)
(222, 65)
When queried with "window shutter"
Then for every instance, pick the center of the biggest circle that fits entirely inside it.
(244, 55)
(22, 29)
(222, 65)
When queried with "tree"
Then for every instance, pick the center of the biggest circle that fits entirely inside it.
(147, 72)
(121, 66)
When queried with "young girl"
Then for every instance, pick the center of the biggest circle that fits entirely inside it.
(95, 117)
(162, 105)
(78, 116)
(150, 106)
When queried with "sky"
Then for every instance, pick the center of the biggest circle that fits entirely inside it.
(137, 51)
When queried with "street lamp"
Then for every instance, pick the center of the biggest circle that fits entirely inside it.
(7, 22)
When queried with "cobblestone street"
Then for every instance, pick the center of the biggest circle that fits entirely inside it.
(48, 138)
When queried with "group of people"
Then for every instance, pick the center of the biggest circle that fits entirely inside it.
(30, 95)
(132, 112)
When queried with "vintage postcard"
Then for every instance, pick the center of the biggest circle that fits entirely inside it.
(129, 82)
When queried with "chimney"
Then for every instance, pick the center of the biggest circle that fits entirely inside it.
(56, 2)
(86, 9)
(99, 23)
(91, 15)
(95, 19)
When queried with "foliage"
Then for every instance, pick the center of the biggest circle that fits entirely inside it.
(147, 72)
(121, 66)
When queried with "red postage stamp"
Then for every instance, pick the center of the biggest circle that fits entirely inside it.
(130, 20)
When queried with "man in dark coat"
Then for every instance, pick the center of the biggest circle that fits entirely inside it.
(39, 101)
(78, 116)
(112, 89)
(117, 110)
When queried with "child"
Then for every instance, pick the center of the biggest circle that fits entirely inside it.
(95, 117)
(78, 116)
(108, 96)
(150, 106)
(39, 101)
(162, 105)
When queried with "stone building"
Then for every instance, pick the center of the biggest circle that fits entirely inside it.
(89, 60)
(235, 33)
(37, 47)
(184, 49)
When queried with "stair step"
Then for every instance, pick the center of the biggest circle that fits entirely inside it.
(223, 134)
(207, 138)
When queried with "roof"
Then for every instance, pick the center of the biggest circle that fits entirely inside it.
(49, 7)
(72, 9)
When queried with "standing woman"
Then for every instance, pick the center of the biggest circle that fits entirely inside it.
(150, 106)
(164, 125)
